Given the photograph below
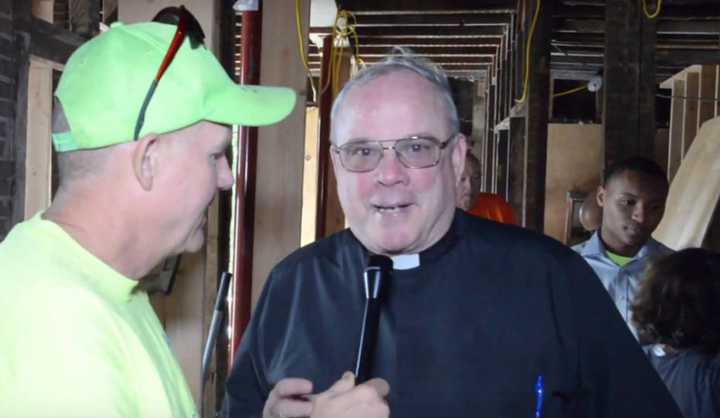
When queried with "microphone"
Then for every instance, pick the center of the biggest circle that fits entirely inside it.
(377, 271)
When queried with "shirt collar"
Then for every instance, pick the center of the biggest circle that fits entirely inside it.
(595, 247)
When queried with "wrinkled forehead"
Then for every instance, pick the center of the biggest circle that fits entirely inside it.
(392, 106)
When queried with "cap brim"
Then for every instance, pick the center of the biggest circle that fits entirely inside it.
(250, 105)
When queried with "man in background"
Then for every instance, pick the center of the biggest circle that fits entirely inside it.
(632, 199)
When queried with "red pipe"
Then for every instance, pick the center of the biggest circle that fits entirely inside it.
(246, 161)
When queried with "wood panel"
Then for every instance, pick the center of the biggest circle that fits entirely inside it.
(43, 9)
(281, 147)
(574, 163)
(694, 193)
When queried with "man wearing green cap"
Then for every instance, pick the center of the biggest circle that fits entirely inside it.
(140, 159)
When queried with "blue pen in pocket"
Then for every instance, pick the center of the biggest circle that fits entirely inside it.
(539, 392)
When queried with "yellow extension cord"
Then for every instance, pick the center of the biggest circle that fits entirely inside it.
(336, 52)
(526, 75)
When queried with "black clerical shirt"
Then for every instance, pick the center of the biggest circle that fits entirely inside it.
(466, 334)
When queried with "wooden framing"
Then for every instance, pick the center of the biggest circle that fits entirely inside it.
(695, 92)
(629, 82)
(676, 128)
(706, 92)
(536, 122)
(690, 111)
(38, 149)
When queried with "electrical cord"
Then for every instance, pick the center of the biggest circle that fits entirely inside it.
(527, 55)
(655, 13)
(571, 91)
(301, 50)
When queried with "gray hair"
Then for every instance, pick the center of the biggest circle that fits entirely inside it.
(80, 164)
(402, 59)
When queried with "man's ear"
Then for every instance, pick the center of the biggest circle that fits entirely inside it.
(600, 196)
(144, 160)
(458, 157)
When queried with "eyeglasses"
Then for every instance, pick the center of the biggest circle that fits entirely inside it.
(412, 152)
(187, 26)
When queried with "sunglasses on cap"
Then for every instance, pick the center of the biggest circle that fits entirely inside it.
(187, 27)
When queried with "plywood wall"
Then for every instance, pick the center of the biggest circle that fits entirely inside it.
(574, 163)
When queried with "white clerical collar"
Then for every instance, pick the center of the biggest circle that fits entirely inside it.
(405, 261)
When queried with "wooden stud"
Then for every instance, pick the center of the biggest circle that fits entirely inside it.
(690, 111)
(706, 94)
(538, 102)
(677, 110)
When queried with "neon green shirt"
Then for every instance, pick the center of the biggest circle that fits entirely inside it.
(76, 338)
(618, 259)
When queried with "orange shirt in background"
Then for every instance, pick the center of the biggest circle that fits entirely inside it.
(492, 206)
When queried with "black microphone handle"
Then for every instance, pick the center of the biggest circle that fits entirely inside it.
(368, 337)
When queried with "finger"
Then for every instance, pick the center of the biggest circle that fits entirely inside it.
(346, 382)
(292, 387)
(291, 408)
(381, 386)
(359, 396)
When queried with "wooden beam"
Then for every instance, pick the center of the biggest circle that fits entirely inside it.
(38, 150)
(479, 127)
(420, 49)
(330, 217)
(516, 164)
(489, 140)
(677, 111)
(706, 94)
(432, 19)
(673, 27)
(687, 57)
(421, 31)
(690, 111)
(538, 102)
(390, 41)
(449, 59)
(629, 82)
(502, 160)
(49, 41)
(717, 95)
(421, 6)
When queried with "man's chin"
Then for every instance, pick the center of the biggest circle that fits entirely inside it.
(392, 246)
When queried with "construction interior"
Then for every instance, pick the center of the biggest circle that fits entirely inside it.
(549, 93)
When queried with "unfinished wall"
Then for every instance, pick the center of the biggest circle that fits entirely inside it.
(8, 92)
(574, 163)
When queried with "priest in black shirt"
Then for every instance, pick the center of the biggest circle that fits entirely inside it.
(479, 319)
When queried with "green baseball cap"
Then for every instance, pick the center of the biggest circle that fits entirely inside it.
(105, 81)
